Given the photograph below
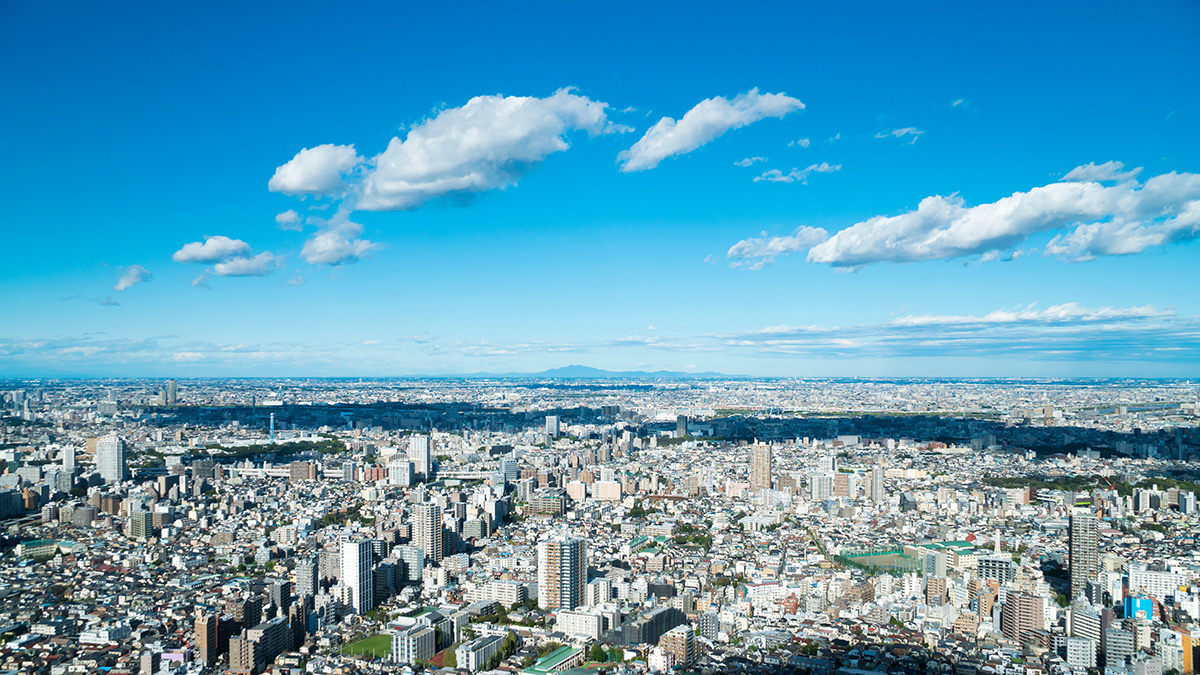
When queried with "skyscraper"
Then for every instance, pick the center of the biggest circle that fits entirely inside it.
(427, 531)
(760, 467)
(876, 486)
(562, 572)
(110, 459)
(1084, 536)
(172, 392)
(552, 429)
(68, 460)
(357, 556)
(420, 451)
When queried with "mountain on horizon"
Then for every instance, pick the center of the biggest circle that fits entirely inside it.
(581, 372)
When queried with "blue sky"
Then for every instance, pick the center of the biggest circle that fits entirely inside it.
(943, 190)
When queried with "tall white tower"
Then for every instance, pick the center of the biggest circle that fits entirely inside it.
(110, 459)
(420, 451)
(356, 574)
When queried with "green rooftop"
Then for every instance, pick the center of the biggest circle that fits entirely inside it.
(549, 663)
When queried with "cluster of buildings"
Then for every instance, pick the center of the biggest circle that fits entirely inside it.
(486, 527)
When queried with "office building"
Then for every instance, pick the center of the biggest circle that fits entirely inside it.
(562, 572)
(552, 430)
(357, 559)
(172, 392)
(1084, 544)
(413, 559)
(110, 459)
(760, 467)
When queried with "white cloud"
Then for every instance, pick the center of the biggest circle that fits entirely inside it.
(803, 142)
(797, 175)
(200, 281)
(1119, 219)
(1070, 312)
(489, 143)
(761, 251)
(296, 281)
(256, 266)
(835, 137)
(1105, 220)
(708, 120)
(749, 160)
(1065, 332)
(211, 250)
(957, 102)
(316, 171)
(132, 276)
(289, 220)
(337, 243)
(1102, 173)
(901, 133)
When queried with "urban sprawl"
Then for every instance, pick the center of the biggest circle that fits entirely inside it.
(621, 526)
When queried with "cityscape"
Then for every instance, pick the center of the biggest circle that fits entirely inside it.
(600, 339)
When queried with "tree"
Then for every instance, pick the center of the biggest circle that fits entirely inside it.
(450, 659)
(597, 653)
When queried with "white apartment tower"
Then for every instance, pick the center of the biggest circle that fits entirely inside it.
(356, 574)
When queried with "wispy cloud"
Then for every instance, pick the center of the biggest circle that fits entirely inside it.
(912, 133)
(132, 276)
(749, 160)
(797, 175)
(1066, 332)
(761, 251)
(708, 120)
(802, 142)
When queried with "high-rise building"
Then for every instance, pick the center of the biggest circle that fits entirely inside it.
(172, 392)
(680, 642)
(420, 452)
(552, 429)
(1084, 536)
(820, 486)
(357, 557)
(760, 467)
(68, 460)
(281, 596)
(307, 576)
(414, 562)
(110, 459)
(876, 492)
(681, 425)
(206, 638)
(1021, 615)
(562, 572)
(427, 531)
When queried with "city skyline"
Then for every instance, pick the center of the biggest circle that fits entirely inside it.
(788, 191)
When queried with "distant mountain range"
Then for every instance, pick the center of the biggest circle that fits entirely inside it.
(577, 372)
